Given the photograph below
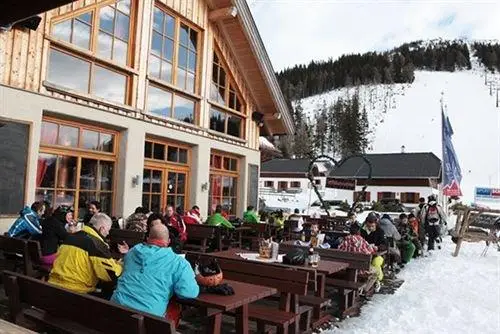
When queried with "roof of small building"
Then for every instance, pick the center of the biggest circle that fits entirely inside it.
(391, 166)
(286, 166)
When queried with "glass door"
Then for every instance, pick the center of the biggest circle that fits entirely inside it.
(176, 189)
(152, 182)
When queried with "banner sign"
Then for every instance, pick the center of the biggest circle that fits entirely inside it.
(487, 194)
(452, 174)
(346, 184)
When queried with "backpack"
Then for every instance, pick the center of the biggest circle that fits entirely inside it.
(432, 216)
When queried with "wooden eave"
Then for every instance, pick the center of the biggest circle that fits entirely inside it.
(248, 49)
(12, 11)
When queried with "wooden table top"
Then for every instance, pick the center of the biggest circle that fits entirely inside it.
(10, 328)
(244, 293)
(326, 267)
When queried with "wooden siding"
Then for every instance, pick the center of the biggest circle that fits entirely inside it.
(24, 58)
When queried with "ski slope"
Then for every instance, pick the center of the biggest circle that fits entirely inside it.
(410, 115)
(441, 294)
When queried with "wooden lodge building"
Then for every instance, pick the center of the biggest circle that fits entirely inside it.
(402, 176)
(134, 102)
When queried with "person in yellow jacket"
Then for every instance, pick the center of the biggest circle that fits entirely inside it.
(84, 258)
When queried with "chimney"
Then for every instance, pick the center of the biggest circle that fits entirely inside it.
(403, 149)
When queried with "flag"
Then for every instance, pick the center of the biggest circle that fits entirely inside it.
(452, 174)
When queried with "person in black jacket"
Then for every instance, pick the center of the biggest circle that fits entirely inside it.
(54, 233)
(372, 232)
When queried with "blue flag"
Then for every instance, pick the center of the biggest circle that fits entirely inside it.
(452, 174)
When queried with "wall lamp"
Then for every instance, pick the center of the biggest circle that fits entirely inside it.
(204, 186)
(136, 180)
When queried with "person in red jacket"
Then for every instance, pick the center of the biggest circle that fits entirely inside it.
(175, 220)
(193, 216)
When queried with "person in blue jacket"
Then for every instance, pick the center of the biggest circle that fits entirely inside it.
(28, 223)
(153, 274)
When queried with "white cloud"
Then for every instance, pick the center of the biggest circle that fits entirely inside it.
(298, 31)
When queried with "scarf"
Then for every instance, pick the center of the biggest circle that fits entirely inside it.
(157, 242)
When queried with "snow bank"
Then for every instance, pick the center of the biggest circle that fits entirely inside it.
(441, 294)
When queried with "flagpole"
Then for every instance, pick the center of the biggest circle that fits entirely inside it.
(444, 201)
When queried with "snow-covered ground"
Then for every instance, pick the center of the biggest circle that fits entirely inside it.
(441, 294)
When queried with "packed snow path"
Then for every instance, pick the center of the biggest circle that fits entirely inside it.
(441, 294)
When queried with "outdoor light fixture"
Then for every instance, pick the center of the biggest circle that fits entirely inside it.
(277, 115)
(204, 186)
(258, 118)
(136, 180)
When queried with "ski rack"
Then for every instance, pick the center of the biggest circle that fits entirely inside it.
(336, 163)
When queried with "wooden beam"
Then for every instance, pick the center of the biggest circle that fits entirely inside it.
(222, 13)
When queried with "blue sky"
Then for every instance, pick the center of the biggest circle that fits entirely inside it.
(298, 31)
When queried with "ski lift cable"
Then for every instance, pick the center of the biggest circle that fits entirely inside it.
(336, 163)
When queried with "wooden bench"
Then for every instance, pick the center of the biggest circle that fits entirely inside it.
(347, 283)
(67, 312)
(200, 237)
(288, 233)
(23, 255)
(290, 284)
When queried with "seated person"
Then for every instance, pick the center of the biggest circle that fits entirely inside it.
(172, 218)
(92, 208)
(138, 220)
(152, 275)
(193, 216)
(174, 239)
(250, 216)
(409, 240)
(217, 219)
(28, 223)
(390, 231)
(84, 258)
(54, 233)
(298, 218)
(372, 232)
(351, 219)
(355, 243)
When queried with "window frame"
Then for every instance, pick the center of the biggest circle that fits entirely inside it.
(268, 184)
(94, 32)
(175, 92)
(293, 184)
(166, 166)
(227, 114)
(80, 154)
(199, 53)
(365, 198)
(222, 172)
(91, 55)
(404, 197)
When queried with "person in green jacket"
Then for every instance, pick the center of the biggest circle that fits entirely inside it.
(217, 219)
(250, 216)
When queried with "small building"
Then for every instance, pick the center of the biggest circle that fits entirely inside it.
(402, 176)
(134, 102)
(290, 175)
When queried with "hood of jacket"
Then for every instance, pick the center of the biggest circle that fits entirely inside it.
(27, 210)
(148, 255)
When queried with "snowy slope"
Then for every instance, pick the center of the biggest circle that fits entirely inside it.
(410, 115)
(441, 294)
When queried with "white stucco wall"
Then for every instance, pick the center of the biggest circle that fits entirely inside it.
(22, 106)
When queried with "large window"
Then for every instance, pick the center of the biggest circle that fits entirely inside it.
(225, 122)
(366, 197)
(223, 182)
(164, 103)
(295, 184)
(410, 198)
(269, 184)
(14, 139)
(104, 30)
(166, 175)
(174, 51)
(76, 165)
(282, 185)
(223, 92)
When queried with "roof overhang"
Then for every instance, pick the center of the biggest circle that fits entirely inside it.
(234, 19)
(12, 11)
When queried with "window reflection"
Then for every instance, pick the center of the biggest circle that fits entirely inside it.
(68, 136)
(90, 139)
(217, 120)
(60, 64)
(109, 84)
(159, 101)
(88, 174)
(48, 134)
(184, 109)
(66, 172)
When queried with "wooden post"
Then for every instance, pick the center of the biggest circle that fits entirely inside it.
(464, 224)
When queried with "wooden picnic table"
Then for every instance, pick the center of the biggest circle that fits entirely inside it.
(214, 305)
(10, 328)
(323, 269)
